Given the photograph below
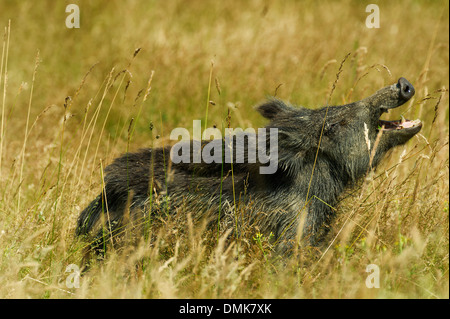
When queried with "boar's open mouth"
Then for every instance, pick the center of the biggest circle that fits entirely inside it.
(402, 124)
(406, 92)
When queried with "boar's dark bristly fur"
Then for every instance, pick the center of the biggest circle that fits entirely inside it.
(336, 153)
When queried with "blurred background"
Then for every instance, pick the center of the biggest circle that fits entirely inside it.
(256, 47)
(72, 99)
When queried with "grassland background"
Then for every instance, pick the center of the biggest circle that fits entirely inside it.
(53, 148)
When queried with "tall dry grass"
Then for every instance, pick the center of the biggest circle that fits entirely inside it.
(72, 100)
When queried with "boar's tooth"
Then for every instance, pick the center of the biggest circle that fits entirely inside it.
(407, 124)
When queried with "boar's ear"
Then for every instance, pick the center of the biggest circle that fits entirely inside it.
(274, 108)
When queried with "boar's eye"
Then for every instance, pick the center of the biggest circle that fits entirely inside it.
(329, 129)
(333, 127)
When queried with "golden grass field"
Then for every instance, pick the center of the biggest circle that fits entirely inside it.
(53, 148)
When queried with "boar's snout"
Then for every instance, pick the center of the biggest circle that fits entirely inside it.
(406, 89)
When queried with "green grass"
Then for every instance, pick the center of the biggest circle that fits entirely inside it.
(53, 148)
